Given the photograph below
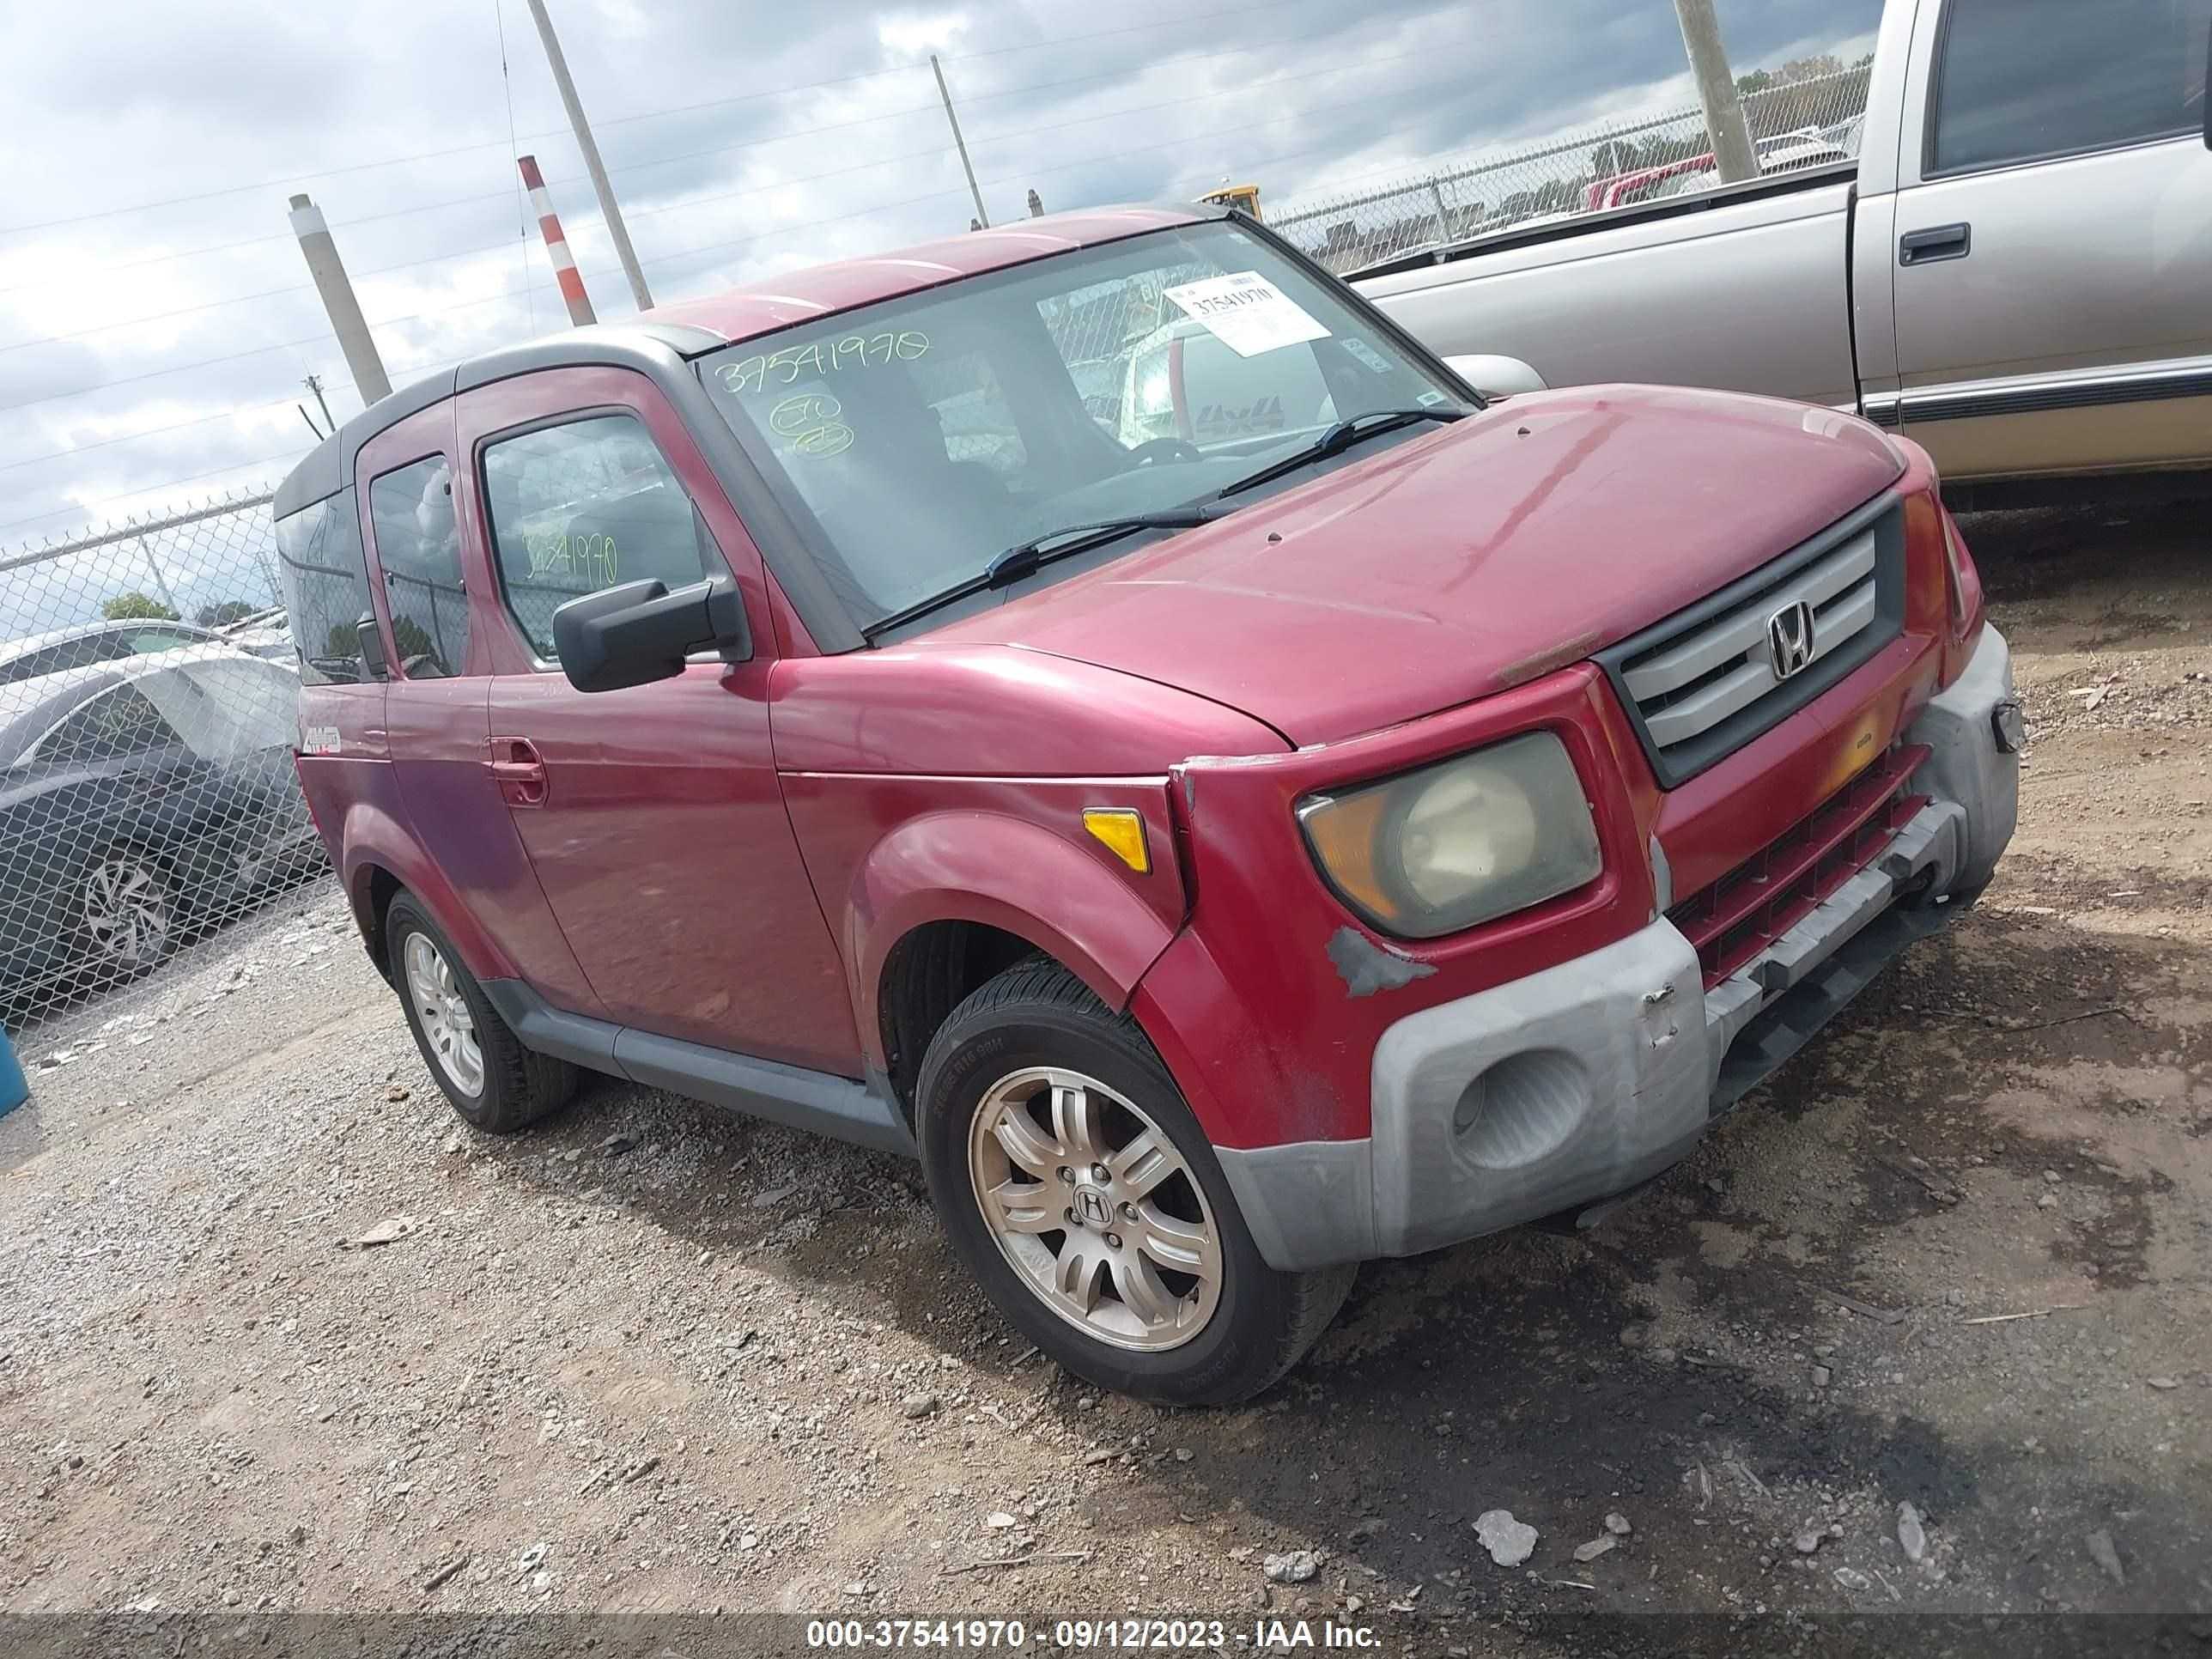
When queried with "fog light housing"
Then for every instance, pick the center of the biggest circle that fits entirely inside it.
(2008, 722)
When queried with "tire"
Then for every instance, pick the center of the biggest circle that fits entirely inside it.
(128, 914)
(507, 1087)
(1034, 1042)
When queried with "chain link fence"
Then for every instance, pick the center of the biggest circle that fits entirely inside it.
(1810, 122)
(148, 711)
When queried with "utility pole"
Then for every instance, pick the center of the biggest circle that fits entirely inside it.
(592, 165)
(168, 596)
(346, 320)
(983, 218)
(315, 383)
(1724, 123)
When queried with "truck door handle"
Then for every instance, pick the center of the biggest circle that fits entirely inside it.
(1923, 247)
(519, 770)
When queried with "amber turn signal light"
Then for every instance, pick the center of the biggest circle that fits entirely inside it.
(1123, 832)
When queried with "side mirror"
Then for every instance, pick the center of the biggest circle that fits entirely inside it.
(1496, 377)
(638, 632)
(371, 641)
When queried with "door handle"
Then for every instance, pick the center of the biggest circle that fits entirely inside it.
(519, 771)
(1924, 247)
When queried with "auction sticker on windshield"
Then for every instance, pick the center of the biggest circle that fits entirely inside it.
(1246, 313)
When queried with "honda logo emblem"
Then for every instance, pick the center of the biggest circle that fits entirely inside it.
(1789, 639)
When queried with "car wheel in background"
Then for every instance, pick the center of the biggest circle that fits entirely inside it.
(127, 908)
(492, 1080)
(1076, 1186)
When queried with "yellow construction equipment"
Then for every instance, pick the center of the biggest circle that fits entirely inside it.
(1244, 197)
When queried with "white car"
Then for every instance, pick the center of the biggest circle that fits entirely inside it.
(91, 642)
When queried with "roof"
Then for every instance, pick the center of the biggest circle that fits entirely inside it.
(689, 327)
(818, 290)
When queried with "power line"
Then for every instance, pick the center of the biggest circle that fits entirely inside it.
(213, 471)
(644, 115)
(628, 167)
(710, 247)
(686, 203)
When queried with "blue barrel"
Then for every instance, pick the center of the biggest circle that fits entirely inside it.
(14, 1089)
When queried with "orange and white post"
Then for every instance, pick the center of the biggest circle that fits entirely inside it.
(557, 244)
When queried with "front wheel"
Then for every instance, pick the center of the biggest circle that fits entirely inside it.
(1076, 1186)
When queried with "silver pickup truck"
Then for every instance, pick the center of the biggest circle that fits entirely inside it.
(2017, 271)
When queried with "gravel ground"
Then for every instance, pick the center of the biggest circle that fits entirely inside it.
(648, 1357)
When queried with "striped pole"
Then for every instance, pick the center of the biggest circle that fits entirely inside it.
(557, 244)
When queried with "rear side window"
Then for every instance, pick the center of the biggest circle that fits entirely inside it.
(410, 514)
(114, 726)
(2021, 79)
(144, 641)
(326, 582)
(583, 506)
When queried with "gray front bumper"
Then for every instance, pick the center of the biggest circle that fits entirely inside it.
(1573, 1085)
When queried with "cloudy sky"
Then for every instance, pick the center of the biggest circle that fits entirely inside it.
(156, 319)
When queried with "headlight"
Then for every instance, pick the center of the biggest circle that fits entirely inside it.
(1458, 843)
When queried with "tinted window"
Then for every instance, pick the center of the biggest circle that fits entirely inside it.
(113, 726)
(326, 580)
(578, 507)
(85, 649)
(2024, 78)
(144, 641)
(410, 514)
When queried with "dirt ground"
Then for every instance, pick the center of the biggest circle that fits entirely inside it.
(648, 1357)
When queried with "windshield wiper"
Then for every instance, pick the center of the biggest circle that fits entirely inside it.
(1340, 437)
(1024, 558)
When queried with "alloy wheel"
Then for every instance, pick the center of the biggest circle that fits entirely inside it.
(128, 913)
(447, 1025)
(1099, 1215)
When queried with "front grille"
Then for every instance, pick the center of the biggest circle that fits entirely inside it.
(1703, 683)
(1743, 912)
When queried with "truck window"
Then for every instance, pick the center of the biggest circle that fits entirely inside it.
(410, 512)
(324, 577)
(580, 506)
(2024, 79)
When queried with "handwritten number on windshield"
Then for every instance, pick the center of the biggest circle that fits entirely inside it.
(784, 367)
(811, 421)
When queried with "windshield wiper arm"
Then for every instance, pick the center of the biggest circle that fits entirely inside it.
(1340, 437)
(1024, 558)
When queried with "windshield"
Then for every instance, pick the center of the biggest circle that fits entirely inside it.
(918, 439)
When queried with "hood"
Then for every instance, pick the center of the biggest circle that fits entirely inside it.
(1462, 561)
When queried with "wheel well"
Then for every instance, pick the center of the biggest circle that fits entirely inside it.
(928, 974)
(383, 888)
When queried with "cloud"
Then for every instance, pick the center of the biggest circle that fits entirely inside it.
(156, 319)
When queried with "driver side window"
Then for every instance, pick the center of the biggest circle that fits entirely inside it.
(582, 506)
